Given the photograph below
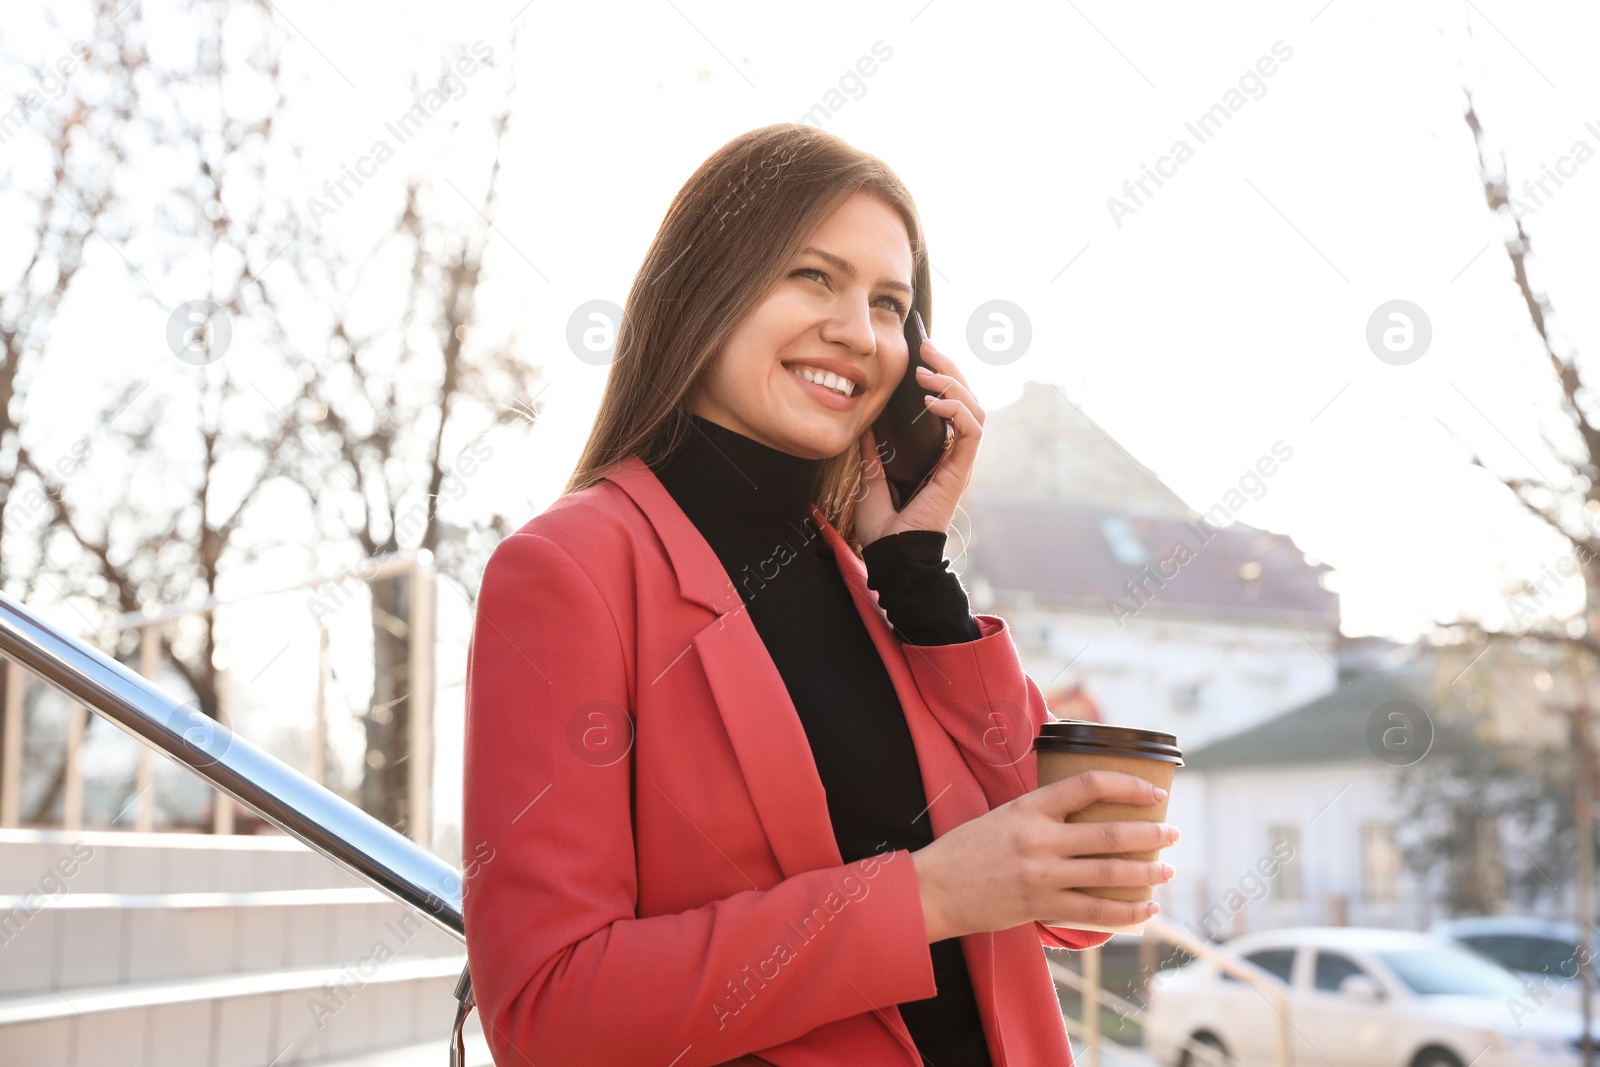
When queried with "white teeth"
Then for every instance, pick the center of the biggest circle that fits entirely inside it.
(841, 385)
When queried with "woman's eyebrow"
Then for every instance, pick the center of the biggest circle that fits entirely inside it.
(849, 269)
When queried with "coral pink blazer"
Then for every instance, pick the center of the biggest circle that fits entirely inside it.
(653, 876)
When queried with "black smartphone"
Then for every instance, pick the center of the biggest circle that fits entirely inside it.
(911, 439)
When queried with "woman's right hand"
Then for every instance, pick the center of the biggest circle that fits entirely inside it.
(1018, 863)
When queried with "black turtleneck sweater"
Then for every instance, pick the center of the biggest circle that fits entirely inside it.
(746, 498)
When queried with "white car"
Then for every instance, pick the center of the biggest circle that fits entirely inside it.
(1360, 998)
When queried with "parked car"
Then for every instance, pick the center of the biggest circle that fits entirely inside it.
(1543, 952)
(1360, 998)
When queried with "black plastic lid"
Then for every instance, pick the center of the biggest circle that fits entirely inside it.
(1098, 739)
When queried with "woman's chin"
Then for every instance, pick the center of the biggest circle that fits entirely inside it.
(821, 442)
(814, 434)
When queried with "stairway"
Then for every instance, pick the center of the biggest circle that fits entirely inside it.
(194, 950)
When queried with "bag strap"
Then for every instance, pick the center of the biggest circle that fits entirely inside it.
(464, 1003)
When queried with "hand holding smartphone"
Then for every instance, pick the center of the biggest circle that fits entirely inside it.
(911, 440)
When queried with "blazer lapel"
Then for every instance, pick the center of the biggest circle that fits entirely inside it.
(954, 796)
(763, 727)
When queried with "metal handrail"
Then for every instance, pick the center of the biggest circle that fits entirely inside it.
(1259, 978)
(278, 793)
(368, 569)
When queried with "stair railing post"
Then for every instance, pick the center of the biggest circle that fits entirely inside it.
(149, 662)
(222, 813)
(72, 806)
(316, 768)
(11, 749)
(222, 809)
(419, 819)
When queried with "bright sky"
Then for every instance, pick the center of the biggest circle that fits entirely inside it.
(1227, 312)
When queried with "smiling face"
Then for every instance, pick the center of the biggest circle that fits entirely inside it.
(839, 308)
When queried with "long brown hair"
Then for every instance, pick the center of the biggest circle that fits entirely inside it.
(731, 232)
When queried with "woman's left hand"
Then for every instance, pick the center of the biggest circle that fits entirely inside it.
(935, 506)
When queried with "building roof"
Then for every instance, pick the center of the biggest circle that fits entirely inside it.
(1079, 552)
(1059, 510)
(1044, 447)
(1330, 729)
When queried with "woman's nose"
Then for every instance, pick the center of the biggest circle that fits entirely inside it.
(852, 326)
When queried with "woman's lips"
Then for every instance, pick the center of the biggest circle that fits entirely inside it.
(830, 398)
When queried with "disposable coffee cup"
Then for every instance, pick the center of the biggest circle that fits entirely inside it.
(1066, 747)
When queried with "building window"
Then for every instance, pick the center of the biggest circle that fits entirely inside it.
(1124, 541)
(1283, 846)
(1380, 862)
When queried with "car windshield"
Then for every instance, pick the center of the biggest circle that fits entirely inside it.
(1443, 971)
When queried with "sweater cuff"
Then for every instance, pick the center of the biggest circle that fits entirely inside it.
(916, 589)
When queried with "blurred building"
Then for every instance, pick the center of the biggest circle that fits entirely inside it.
(1121, 594)
(1294, 820)
(1304, 819)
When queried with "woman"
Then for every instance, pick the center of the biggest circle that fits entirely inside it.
(754, 785)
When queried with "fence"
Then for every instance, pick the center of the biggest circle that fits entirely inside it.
(419, 627)
(1159, 930)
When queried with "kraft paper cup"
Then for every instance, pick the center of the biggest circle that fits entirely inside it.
(1072, 746)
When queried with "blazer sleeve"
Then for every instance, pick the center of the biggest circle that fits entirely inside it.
(991, 707)
(565, 970)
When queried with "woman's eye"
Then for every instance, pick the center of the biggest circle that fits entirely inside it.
(895, 303)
